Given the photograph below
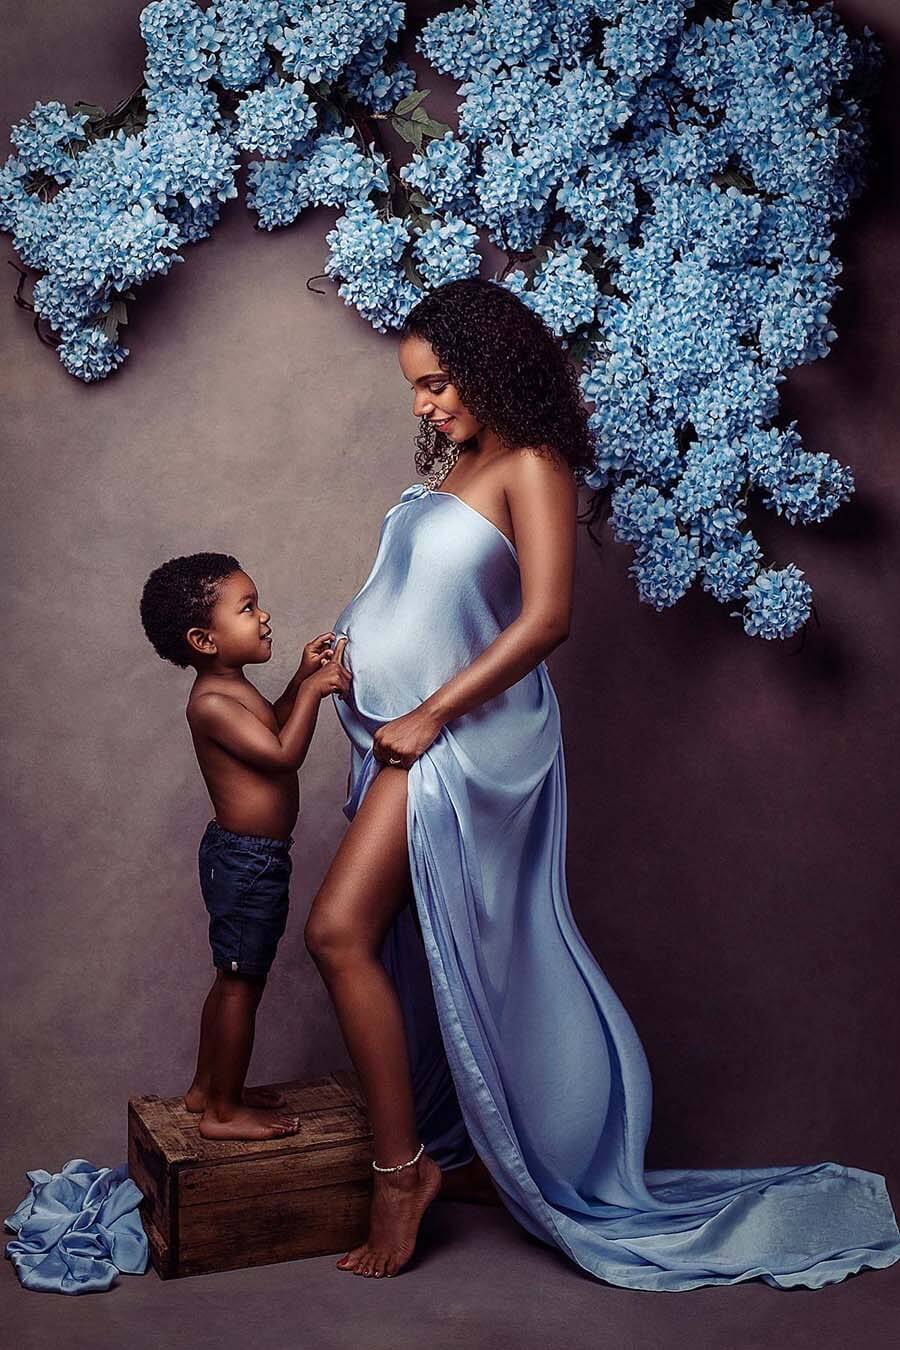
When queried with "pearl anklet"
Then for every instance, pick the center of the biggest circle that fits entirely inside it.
(399, 1166)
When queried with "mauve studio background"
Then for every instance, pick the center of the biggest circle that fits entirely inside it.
(732, 804)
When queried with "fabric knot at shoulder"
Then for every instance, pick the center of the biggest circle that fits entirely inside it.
(414, 490)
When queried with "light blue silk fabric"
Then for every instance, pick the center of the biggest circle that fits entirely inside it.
(518, 1044)
(77, 1229)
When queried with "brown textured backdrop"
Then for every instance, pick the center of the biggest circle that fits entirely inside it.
(733, 855)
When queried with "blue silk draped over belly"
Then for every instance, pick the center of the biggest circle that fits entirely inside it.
(518, 1044)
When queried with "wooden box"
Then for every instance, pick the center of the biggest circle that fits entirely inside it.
(212, 1205)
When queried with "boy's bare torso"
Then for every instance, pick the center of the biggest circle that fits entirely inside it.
(245, 799)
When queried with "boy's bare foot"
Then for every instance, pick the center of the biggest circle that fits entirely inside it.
(247, 1123)
(398, 1203)
(266, 1097)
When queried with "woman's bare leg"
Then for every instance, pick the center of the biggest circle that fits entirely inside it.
(366, 886)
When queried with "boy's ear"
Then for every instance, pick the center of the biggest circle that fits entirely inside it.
(200, 640)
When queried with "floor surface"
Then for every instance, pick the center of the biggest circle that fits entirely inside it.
(478, 1281)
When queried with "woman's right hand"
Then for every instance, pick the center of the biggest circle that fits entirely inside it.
(332, 677)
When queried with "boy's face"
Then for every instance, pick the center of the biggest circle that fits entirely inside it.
(238, 631)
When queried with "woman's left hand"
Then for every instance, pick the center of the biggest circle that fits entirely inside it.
(406, 738)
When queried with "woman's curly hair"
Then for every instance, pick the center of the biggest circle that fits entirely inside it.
(509, 370)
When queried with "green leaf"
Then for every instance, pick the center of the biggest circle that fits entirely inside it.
(92, 110)
(416, 199)
(408, 131)
(580, 348)
(110, 326)
(120, 310)
(411, 101)
(412, 272)
(434, 129)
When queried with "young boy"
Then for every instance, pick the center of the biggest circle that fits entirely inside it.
(203, 611)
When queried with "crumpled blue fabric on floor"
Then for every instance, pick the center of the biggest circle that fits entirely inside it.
(77, 1229)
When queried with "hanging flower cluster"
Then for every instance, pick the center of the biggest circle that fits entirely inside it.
(664, 176)
(98, 203)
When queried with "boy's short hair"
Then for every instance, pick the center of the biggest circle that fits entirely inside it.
(179, 595)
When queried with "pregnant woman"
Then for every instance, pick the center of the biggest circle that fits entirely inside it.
(477, 1018)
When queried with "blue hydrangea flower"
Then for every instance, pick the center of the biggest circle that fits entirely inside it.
(45, 137)
(365, 254)
(340, 172)
(377, 87)
(317, 41)
(728, 568)
(442, 173)
(779, 603)
(243, 27)
(447, 251)
(665, 568)
(563, 292)
(811, 488)
(89, 354)
(712, 475)
(181, 43)
(640, 512)
(278, 190)
(276, 119)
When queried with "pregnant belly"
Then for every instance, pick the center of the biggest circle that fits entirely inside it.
(398, 659)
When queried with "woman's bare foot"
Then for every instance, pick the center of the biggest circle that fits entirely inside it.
(247, 1123)
(398, 1203)
(266, 1097)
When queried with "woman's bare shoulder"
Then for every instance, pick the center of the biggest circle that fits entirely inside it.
(532, 469)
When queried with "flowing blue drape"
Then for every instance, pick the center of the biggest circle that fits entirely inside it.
(518, 1044)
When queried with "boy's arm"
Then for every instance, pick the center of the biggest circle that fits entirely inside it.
(285, 701)
(226, 721)
(313, 653)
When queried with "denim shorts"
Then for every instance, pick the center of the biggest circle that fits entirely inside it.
(244, 879)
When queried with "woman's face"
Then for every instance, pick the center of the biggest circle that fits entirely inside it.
(434, 396)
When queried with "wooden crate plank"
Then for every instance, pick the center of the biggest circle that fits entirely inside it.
(326, 1112)
(161, 1257)
(205, 1184)
(156, 1115)
(309, 1223)
(154, 1177)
